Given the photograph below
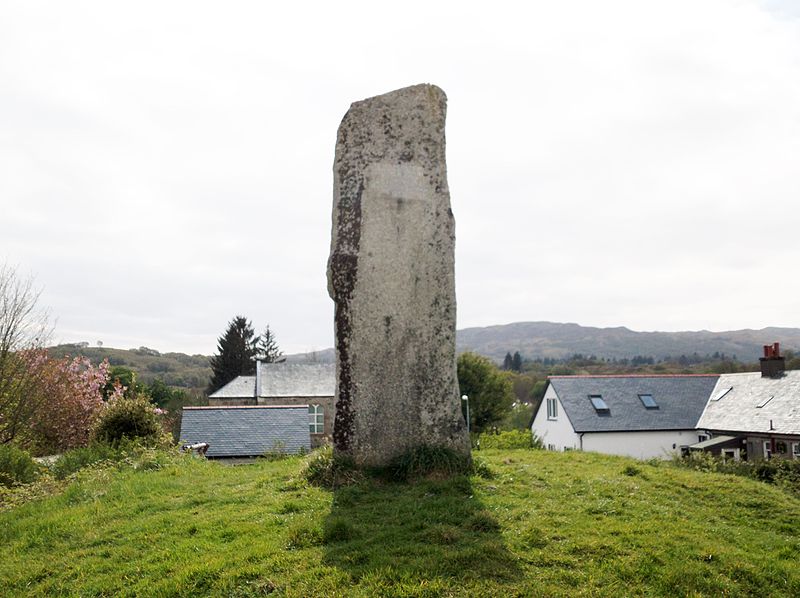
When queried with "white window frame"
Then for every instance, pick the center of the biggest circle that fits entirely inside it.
(316, 419)
(768, 449)
(796, 450)
(552, 409)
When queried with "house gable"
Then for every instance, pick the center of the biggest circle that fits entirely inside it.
(552, 424)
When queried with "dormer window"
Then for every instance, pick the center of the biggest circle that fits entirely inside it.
(599, 404)
(648, 401)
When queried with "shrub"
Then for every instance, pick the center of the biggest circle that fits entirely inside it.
(16, 466)
(78, 458)
(129, 418)
(781, 472)
(511, 439)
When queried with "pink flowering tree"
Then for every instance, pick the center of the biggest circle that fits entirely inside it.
(70, 399)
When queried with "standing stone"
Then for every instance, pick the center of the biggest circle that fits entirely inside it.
(391, 276)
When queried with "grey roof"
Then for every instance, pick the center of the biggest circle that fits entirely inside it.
(247, 431)
(298, 380)
(713, 442)
(239, 387)
(738, 411)
(680, 401)
(284, 380)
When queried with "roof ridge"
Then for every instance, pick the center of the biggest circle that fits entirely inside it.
(199, 407)
(638, 376)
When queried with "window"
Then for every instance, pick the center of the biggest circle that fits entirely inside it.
(764, 402)
(702, 438)
(648, 401)
(780, 447)
(796, 450)
(552, 409)
(767, 449)
(730, 454)
(316, 419)
(599, 404)
(722, 394)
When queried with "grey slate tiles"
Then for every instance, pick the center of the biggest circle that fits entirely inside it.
(247, 431)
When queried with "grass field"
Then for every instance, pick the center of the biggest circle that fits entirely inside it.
(544, 524)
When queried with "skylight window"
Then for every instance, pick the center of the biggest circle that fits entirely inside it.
(764, 402)
(599, 404)
(648, 401)
(722, 394)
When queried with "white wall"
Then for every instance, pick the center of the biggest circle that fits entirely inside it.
(558, 431)
(642, 445)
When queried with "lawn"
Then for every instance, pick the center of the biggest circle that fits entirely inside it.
(542, 524)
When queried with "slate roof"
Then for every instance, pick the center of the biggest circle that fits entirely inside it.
(298, 380)
(247, 431)
(284, 380)
(680, 401)
(738, 411)
(239, 387)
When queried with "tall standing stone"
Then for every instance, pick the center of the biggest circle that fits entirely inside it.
(391, 276)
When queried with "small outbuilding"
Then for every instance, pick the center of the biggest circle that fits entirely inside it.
(247, 431)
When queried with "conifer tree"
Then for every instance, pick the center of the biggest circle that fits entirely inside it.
(508, 362)
(268, 350)
(516, 362)
(236, 353)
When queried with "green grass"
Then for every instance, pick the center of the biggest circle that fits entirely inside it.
(545, 524)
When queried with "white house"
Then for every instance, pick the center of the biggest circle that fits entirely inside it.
(637, 416)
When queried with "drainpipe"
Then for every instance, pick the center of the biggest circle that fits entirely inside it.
(580, 438)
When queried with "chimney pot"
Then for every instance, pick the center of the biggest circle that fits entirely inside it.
(772, 364)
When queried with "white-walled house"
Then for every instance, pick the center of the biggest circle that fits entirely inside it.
(636, 416)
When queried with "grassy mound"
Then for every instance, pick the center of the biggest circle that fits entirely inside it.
(544, 524)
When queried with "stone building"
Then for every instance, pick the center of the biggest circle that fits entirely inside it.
(287, 384)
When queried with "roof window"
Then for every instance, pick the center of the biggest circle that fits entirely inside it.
(599, 404)
(648, 401)
(764, 402)
(722, 394)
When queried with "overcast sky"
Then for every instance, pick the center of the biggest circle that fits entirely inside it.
(165, 166)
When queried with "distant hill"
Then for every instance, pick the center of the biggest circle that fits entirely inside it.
(175, 369)
(532, 339)
(323, 356)
(549, 339)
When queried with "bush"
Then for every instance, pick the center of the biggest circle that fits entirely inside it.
(781, 472)
(128, 418)
(78, 458)
(16, 466)
(511, 439)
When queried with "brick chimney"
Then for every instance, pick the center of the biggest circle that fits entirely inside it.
(772, 364)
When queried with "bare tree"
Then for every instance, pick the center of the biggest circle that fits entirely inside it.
(24, 331)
